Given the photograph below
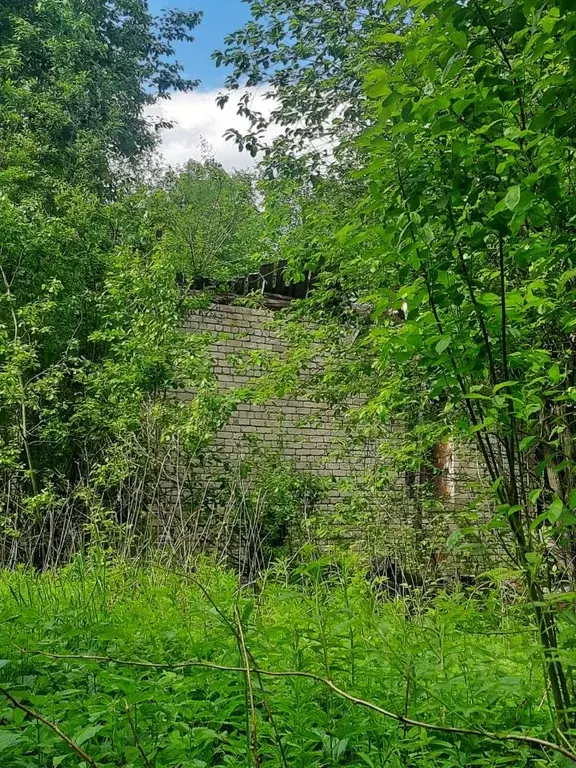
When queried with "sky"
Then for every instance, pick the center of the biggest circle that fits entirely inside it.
(220, 18)
(197, 118)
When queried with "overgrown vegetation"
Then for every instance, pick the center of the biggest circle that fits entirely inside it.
(466, 234)
(90, 252)
(463, 664)
(424, 176)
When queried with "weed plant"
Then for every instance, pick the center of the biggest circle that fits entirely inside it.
(457, 662)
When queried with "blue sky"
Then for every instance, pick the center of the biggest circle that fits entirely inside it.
(220, 18)
(198, 122)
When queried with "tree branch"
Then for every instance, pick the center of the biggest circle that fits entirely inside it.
(139, 746)
(519, 738)
(250, 687)
(49, 724)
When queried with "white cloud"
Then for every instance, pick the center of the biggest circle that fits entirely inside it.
(197, 119)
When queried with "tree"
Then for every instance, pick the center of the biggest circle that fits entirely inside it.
(207, 220)
(310, 57)
(75, 78)
(469, 229)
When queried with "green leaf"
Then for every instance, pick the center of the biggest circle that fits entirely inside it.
(504, 384)
(87, 733)
(528, 442)
(389, 37)
(538, 521)
(459, 39)
(489, 299)
(377, 83)
(566, 277)
(555, 374)
(513, 197)
(453, 540)
(476, 51)
(506, 144)
(568, 518)
(534, 495)
(443, 344)
(8, 739)
(555, 510)
(428, 233)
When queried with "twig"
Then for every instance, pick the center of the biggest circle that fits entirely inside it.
(474, 300)
(516, 737)
(407, 696)
(233, 629)
(22, 385)
(248, 670)
(139, 746)
(49, 724)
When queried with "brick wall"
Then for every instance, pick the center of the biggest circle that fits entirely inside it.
(312, 438)
(304, 432)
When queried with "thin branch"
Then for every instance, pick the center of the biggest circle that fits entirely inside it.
(250, 687)
(472, 292)
(506, 59)
(139, 746)
(21, 384)
(485, 446)
(493, 35)
(502, 266)
(49, 724)
(233, 629)
(532, 741)
(509, 442)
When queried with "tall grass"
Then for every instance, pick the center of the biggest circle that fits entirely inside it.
(457, 662)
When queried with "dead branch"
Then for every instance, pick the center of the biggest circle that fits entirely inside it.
(519, 738)
(49, 724)
(137, 742)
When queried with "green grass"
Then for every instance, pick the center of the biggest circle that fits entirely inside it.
(460, 662)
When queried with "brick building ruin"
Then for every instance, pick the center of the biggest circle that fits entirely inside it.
(308, 435)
